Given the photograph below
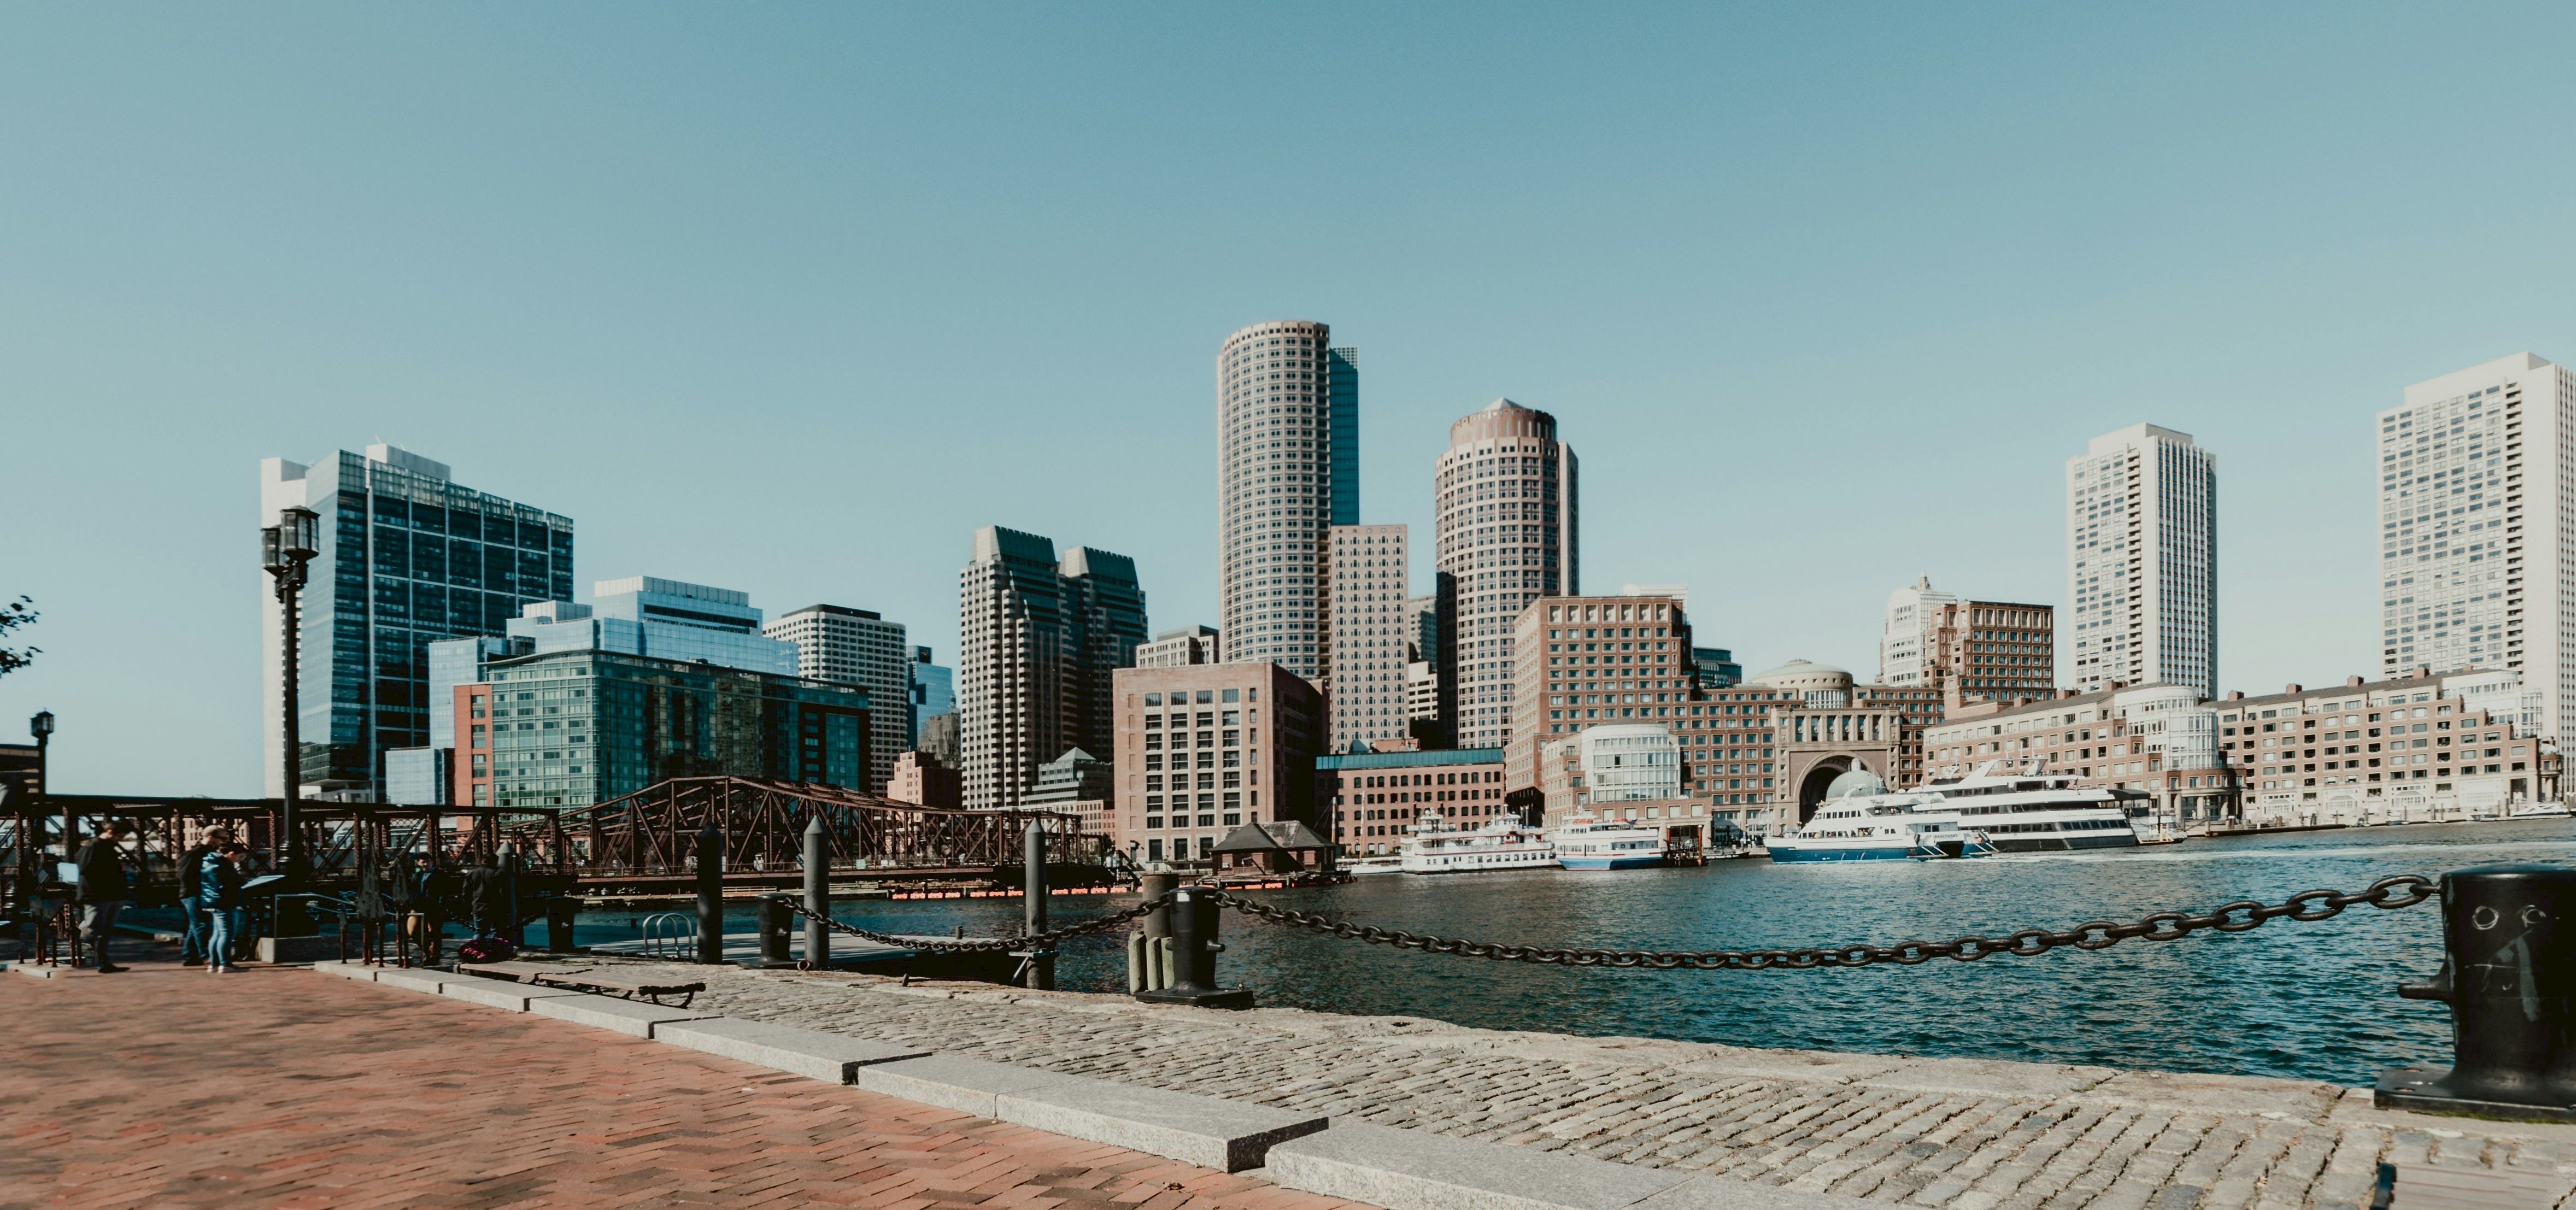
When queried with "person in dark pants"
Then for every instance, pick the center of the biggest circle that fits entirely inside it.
(103, 889)
(192, 907)
(219, 879)
(486, 897)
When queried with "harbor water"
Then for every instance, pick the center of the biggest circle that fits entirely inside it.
(2291, 999)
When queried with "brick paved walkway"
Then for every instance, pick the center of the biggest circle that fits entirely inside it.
(167, 1087)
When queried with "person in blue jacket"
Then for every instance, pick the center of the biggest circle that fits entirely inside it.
(219, 895)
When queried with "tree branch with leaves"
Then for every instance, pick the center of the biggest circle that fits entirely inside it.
(21, 612)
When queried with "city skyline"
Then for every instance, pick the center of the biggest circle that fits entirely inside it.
(865, 309)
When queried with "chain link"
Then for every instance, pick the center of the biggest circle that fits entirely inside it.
(985, 946)
(2401, 891)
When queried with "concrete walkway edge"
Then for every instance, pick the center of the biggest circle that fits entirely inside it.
(1395, 1168)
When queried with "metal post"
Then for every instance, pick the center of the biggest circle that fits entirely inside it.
(1157, 923)
(774, 918)
(818, 894)
(512, 929)
(1194, 950)
(710, 894)
(1033, 903)
(2509, 974)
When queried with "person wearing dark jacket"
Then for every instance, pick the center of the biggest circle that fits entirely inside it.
(103, 889)
(192, 910)
(219, 893)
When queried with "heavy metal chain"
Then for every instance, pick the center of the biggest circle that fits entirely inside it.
(2402, 891)
(989, 945)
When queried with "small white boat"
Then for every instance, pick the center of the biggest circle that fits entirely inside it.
(1382, 863)
(2540, 810)
(1587, 842)
(1435, 847)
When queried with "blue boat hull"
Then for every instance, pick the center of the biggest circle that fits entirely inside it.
(1855, 853)
(1609, 863)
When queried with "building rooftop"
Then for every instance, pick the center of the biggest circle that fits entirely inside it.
(670, 588)
(1409, 760)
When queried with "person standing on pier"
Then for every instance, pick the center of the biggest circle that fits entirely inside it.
(192, 909)
(103, 888)
(219, 897)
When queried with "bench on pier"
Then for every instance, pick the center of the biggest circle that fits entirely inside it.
(626, 986)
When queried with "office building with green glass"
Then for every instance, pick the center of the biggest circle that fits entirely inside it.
(408, 557)
(575, 728)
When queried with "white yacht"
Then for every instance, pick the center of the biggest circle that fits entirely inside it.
(1375, 863)
(1437, 847)
(2039, 812)
(1878, 828)
(1970, 816)
(1587, 842)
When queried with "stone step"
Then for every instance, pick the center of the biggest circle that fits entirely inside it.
(836, 1058)
(359, 971)
(416, 980)
(1210, 1132)
(499, 993)
(609, 1012)
(953, 1082)
(1418, 1170)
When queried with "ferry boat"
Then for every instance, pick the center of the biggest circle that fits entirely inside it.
(1590, 843)
(1983, 812)
(1436, 847)
(1376, 863)
(1890, 827)
(2039, 812)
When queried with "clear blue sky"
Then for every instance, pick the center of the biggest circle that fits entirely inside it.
(792, 298)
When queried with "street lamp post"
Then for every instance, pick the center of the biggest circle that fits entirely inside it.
(42, 727)
(286, 549)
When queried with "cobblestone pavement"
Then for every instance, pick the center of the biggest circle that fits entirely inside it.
(165, 1087)
(1964, 1134)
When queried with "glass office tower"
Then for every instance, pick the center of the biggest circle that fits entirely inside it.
(407, 557)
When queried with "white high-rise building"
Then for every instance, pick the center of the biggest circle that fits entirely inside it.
(1504, 492)
(1287, 467)
(2475, 519)
(1909, 648)
(858, 647)
(2142, 561)
(1366, 616)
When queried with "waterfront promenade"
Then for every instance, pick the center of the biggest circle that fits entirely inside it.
(290, 1087)
(282, 1087)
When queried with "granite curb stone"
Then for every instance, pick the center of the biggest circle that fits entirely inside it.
(416, 980)
(1417, 1170)
(966, 1085)
(496, 993)
(835, 1058)
(1211, 1132)
(609, 1012)
(359, 971)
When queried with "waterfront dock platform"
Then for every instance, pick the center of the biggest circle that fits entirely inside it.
(331, 1086)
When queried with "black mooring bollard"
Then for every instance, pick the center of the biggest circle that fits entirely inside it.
(2508, 973)
(561, 908)
(818, 894)
(1194, 950)
(710, 895)
(777, 919)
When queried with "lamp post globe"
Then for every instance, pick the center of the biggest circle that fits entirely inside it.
(41, 726)
(284, 551)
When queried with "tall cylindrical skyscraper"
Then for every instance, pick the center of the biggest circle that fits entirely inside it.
(1287, 411)
(1505, 498)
